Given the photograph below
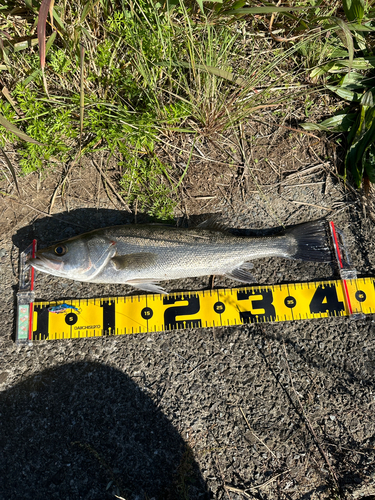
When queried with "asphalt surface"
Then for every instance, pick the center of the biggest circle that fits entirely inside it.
(265, 411)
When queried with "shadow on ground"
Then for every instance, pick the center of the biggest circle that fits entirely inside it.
(87, 431)
(68, 224)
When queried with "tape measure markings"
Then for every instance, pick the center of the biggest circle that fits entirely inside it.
(151, 313)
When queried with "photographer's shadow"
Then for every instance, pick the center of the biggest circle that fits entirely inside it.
(87, 431)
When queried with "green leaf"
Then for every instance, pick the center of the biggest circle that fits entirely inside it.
(361, 27)
(369, 163)
(354, 81)
(12, 128)
(32, 77)
(367, 100)
(50, 41)
(263, 10)
(337, 123)
(354, 9)
(361, 63)
(11, 169)
(363, 139)
(349, 39)
(239, 4)
(25, 44)
(213, 70)
(200, 3)
(345, 93)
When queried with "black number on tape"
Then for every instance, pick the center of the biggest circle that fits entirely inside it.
(325, 300)
(219, 307)
(170, 314)
(264, 305)
(41, 331)
(290, 302)
(108, 317)
(71, 319)
(360, 296)
(147, 313)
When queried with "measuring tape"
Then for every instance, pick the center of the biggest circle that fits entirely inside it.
(83, 318)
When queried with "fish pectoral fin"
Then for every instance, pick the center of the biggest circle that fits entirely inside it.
(242, 274)
(139, 260)
(246, 266)
(147, 286)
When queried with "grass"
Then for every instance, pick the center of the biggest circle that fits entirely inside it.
(120, 77)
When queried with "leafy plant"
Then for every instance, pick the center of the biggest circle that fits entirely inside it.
(360, 126)
(357, 87)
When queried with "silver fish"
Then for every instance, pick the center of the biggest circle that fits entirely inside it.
(144, 255)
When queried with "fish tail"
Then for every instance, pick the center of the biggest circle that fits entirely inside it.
(310, 241)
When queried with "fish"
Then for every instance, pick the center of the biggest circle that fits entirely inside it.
(143, 255)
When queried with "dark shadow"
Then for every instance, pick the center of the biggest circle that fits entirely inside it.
(64, 225)
(87, 431)
(68, 224)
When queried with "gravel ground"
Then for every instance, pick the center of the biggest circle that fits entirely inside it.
(271, 411)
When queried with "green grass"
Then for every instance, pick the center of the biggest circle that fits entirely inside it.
(152, 70)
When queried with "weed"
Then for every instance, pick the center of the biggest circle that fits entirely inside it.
(123, 74)
(356, 87)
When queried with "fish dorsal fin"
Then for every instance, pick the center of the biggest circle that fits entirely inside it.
(214, 224)
(139, 260)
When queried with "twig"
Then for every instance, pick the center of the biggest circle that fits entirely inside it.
(305, 171)
(61, 184)
(285, 186)
(11, 170)
(312, 205)
(46, 214)
(105, 177)
(226, 489)
(257, 487)
(309, 426)
(302, 131)
(275, 37)
(258, 438)
(237, 490)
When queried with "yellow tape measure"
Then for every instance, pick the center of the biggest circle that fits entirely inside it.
(83, 318)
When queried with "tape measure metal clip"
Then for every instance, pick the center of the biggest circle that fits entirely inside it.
(25, 296)
(346, 269)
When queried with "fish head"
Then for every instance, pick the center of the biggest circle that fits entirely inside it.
(80, 258)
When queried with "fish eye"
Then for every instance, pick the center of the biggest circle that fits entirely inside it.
(60, 250)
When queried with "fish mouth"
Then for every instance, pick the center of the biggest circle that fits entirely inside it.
(41, 263)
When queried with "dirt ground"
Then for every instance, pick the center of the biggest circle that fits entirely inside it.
(264, 411)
